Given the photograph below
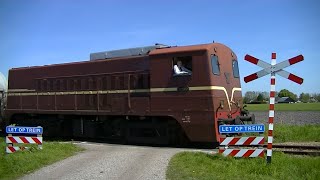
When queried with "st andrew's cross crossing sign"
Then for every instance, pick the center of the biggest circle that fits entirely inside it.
(276, 68)
(273, 69)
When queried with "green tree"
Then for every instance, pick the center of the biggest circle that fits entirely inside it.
(260, 97)
(304, 97)
(287, 93)
(317, 96)
(246, 100)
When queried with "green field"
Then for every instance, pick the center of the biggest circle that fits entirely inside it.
(190, 165)
(294, 133)
(17, 164)
(285, 107)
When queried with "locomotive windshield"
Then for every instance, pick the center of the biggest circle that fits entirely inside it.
(235, 69)
(215, 65)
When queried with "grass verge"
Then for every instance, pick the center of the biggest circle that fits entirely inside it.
(17, 164)
(285, 107)
(294, 133)
(190, 165)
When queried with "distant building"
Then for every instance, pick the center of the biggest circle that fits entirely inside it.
(313, 99)
(285, 100)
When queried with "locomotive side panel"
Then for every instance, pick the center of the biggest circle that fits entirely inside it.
(85, 87)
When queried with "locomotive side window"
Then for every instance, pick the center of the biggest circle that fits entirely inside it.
(44, 85)
(215, 65)
(51, 82)
(63, 84)
(235, 69)
(70, 84)
(182, 65)
(58, 85)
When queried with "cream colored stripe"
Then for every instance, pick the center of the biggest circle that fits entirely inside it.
(163, 89)
(139, 90)
(171, 89)
(20, 90)
(213, 88)
(233, 90)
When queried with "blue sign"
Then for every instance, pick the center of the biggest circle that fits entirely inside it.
(241, 128)
(23, 130)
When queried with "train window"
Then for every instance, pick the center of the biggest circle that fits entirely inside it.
(104, 83)
(91, 86)
(120, 84)
(58, 85)
(182, 65)
(146, 80)
(50, 82)
(99, 83)
(77, 84)
(134, 81)
(44, 85)
(215, 65)
(55, 82)
(84, 84)
(63, 84)
(235, 69)
(70, 84)
(114, 82)
(38, 85)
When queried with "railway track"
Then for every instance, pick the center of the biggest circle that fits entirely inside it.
(311, 150)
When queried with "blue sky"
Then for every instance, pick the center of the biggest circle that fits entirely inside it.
(40, 32)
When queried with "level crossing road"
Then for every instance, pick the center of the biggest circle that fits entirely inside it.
(111, 161)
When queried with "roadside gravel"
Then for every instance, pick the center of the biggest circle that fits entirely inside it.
(289, 117)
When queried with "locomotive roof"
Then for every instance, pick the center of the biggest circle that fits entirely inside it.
(137, 51)
(157, 49)
(147, 50)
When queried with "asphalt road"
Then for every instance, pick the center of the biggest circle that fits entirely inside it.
(109, 161)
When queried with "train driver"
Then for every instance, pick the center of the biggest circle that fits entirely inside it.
(179, 69)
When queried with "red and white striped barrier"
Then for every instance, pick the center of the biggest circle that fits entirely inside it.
(25, 140)
(242, 152)
(11, 140)
(12, 149)
(238, 141)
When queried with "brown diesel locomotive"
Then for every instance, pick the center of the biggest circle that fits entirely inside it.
(132, 94)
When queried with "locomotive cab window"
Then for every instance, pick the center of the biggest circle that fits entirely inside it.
(215, 65)
(182, 66)
(235, 69)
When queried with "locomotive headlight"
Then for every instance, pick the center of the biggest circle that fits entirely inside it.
(221, 104)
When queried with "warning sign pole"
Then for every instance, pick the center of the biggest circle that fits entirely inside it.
(271, 108)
